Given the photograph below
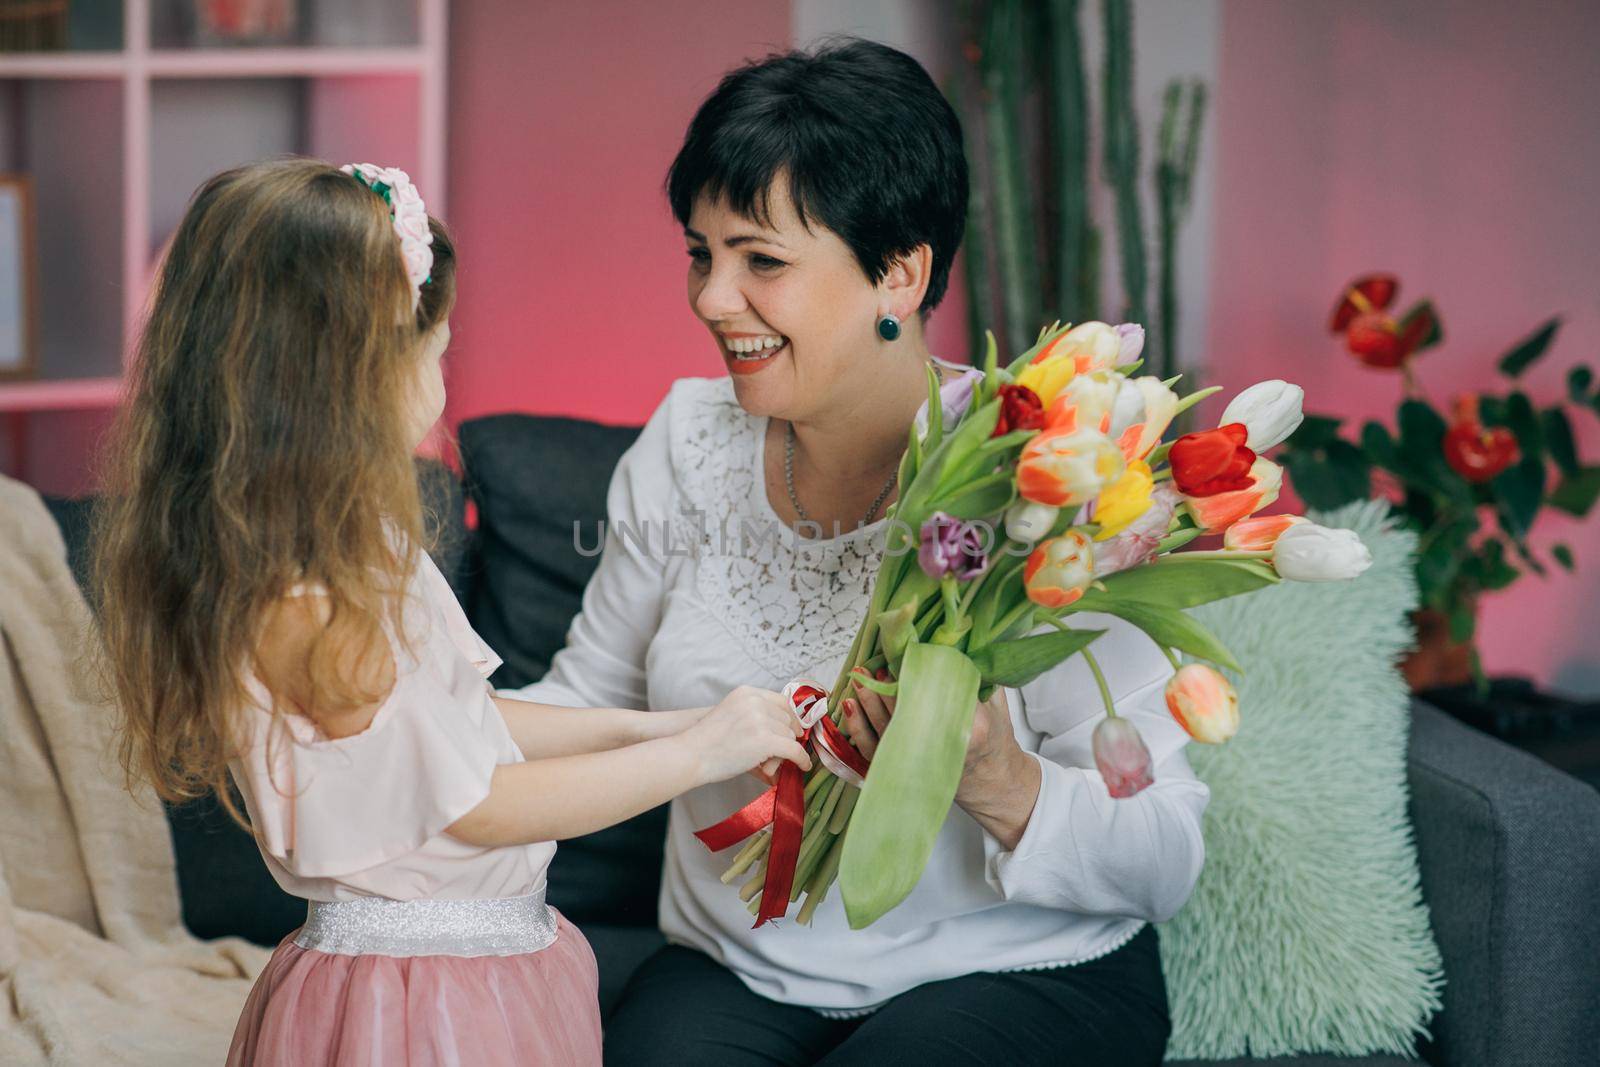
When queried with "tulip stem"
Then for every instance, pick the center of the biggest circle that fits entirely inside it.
(755, 850)
(1172, 659)
(1100, 680)
(951, 594)
(1228, 553)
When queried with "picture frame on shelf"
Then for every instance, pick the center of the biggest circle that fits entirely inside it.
(18, 279)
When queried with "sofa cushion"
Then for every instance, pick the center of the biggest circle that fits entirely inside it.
(539, 484)
(1307, 931)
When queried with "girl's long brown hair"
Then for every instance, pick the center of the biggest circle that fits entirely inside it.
(264, 442)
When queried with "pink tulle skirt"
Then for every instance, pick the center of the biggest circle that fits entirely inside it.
(313, 1007)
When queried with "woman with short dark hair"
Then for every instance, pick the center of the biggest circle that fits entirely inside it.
(822, 197)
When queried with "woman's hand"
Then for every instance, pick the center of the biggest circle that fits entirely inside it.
(999, 781)
(749, 727)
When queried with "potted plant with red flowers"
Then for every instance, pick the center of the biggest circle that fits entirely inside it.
(1471, 478)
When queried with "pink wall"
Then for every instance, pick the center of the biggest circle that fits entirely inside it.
(1453, 143)
(564, 119)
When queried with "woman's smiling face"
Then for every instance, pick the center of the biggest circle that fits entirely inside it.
(790, 308)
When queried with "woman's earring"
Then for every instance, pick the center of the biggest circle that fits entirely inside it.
(889, 328)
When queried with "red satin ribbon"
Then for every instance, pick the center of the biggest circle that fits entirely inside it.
(784, 807)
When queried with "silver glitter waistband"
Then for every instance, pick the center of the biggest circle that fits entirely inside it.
(507, 926)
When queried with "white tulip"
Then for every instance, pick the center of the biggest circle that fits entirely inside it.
(1146, 403)
(1270, 410)
(1306, 552)
(1027, 521)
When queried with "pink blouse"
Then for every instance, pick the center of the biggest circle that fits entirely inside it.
(364, 815)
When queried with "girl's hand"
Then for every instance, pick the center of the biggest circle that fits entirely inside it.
(749, 727)
(670, 723)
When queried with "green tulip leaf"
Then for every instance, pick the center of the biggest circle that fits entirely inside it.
(1016, 663)
(1186, 583)
(912, 783)
(1166, 626)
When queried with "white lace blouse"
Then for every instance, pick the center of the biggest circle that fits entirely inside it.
(701, 588)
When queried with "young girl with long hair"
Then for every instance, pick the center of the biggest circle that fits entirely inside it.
(270, 615)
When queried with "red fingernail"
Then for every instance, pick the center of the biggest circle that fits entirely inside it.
(849, 707)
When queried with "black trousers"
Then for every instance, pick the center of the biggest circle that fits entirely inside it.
(683, 1008)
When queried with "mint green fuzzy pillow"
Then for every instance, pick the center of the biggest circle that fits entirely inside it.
(1307, 931)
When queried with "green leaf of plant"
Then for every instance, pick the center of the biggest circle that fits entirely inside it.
(1016, 663)
(1579, 379)
(1518, 492)
(1520, 358)
(1578, 492)
(1557, 433)
(1330, 476)
(1494, 570)
(1420, 426)
(1521, 419)
(1563, 556)
(1167, 626)
(1177, 582)
(914, 776)
(1463, 620)
(1378, 444)
(1315, 432)
(1442, 553)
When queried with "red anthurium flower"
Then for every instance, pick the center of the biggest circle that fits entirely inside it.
(1373, 292)
(1474, 451)
(1375, 340)
(1212, 461)
(1020, 409)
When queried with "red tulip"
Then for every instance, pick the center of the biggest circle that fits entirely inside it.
(1374, 292)
(1212, 461)
(1474, 451)
(1020, 409)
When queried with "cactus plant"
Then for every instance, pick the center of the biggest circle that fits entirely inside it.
(1031, 240)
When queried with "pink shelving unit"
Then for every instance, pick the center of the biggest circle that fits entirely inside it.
(117, 139)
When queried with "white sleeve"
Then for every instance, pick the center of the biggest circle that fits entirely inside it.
(1083, 850)
(602, 663)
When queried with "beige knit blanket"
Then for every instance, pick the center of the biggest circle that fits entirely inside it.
(95, 965)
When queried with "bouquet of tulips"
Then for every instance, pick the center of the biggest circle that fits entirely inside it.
(1030, 492)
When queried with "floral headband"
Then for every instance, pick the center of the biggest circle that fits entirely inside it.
(410, 219)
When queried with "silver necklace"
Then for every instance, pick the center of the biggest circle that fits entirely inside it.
(789, 482)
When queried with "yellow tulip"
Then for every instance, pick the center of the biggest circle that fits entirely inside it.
(1124, 500)
(1047, 377)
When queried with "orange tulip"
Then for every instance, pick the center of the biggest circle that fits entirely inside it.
(1059, 570)
(1258, 534)
(1204, 703)
(1064, 469)
(1222, 510)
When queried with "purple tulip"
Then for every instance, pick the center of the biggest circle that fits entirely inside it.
(1121, 758)
(952, 546)
(955, 396)
(1131, 336)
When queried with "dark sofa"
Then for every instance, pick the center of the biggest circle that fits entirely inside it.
(1509, 847)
